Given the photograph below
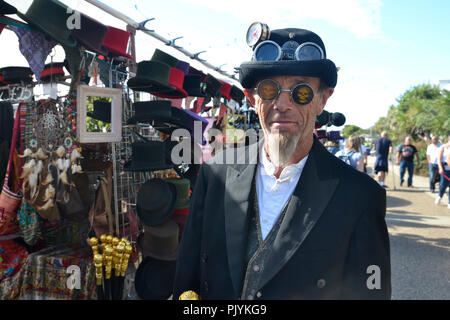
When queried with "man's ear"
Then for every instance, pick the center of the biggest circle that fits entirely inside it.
(249, 94)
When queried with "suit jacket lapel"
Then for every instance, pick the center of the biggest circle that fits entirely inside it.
(238, 186)
(310, 198)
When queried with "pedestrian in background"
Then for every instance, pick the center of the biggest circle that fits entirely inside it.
(432, 159)
(405, 157)
(333, 147)
(444, 171)
(383, 146)
(352, 153)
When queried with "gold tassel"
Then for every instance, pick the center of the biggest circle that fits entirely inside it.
(49, 193)
(49, 204)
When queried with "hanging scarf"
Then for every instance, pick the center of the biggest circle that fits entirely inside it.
(34, 47)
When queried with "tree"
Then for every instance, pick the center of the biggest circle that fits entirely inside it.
(352, 129)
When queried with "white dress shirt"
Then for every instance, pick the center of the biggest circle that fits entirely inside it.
(433, 152)
(273, 194)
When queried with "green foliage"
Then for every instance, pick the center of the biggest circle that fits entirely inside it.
(422, 111)
(94, 125)
(352, 129)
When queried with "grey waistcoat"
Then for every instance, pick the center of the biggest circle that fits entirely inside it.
(257, 249)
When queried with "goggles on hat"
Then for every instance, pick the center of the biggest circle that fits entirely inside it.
(271, 51)
(269, 90)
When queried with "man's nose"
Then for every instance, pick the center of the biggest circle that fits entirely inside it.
(283, 101)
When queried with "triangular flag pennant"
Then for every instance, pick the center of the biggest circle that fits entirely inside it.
(222, 111)
(198, 105)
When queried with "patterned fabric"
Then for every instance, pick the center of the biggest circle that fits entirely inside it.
(44, 276)
(12, 257)
(35, 48)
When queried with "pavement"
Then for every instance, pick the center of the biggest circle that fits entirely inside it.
(419, 233)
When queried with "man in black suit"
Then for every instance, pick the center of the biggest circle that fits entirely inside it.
(285, 219)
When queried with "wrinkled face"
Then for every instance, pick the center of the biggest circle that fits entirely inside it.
(287, 117)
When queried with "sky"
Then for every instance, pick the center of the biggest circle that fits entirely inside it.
(383, 47)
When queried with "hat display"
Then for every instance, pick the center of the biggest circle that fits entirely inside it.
(289, 40)
(179, 216)
(50, 16)
(102, 111)
(154, 279)
(52, 71)
(6, 8)
(13, 75)
(189, 121)
(160, 114)
(149, 156)
(116, 42)
(160, 242)
(225, 90)
(237, 94)
(91, 34)
(153, 75)
(192, 85)
(321, 134)
(176, 79)
(213, 85)
(156, 201)
(334, 135)
(183, 186)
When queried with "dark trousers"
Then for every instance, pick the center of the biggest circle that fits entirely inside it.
(433, 170)
(406, 165)
(443, 184)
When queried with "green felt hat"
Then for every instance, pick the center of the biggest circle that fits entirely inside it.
(153, 75)
(50, 16)
(183, 186)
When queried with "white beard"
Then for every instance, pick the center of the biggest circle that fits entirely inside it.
(281, 147)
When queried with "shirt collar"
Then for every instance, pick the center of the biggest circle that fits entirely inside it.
(288, 173)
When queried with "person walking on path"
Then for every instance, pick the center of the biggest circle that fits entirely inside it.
(432, 159)
(352, 153)
(383, 146)
(444, 171)
(405, 157)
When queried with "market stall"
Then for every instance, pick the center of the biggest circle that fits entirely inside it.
(93, 203)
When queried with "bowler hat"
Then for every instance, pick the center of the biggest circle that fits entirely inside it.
(334, 135)
(156, 201)
(91, 34)
(290, 38)
(149, 156)
(50, 16)
(160, 242)
(153, 75)
(154, 279)
(102, 111)
(6, 8)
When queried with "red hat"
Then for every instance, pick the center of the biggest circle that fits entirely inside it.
(116, 41)
(176, 79)
(225, 89)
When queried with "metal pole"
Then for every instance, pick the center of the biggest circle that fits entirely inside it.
(135, 24)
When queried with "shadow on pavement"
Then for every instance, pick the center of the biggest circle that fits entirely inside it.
(419, 267)
(396, 202)
(398, 220)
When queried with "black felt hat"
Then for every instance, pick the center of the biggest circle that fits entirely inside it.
(193, 85)
(156, 202)
(102, 111)
(250, 72)
(149, 156)
(13, 75)
(237, 94)
(154, 279)
(52, 71)
(91, 34)
(7, 8)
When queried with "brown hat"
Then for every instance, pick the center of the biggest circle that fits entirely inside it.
(160, 242)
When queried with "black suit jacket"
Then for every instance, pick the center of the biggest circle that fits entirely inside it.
(332, 235)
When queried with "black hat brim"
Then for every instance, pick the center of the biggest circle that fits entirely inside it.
(98, 116)
(251, 72)
(148, 85)
(6, 8)
(171, 256)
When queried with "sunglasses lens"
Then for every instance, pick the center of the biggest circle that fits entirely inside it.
(267, 90)
(267, 52)
(309, 52)
(302, 94)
